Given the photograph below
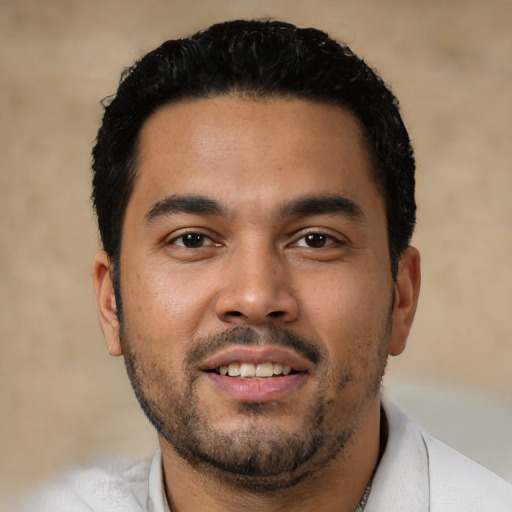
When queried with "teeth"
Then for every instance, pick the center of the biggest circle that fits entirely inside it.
(278, 369)
(265, 370)
(249, 370)
(233, 369)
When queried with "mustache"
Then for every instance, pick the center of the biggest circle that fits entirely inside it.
(247, 336)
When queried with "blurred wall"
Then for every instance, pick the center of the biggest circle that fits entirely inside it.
(63, 400)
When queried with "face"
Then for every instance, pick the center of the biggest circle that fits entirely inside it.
(258, 307)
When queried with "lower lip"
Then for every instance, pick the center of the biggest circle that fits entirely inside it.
(256, 390)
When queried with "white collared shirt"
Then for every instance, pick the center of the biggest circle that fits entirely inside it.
(417, 473)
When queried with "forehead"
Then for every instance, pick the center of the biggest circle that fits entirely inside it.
(245, 150)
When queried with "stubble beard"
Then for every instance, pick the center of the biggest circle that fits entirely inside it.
(255, 458)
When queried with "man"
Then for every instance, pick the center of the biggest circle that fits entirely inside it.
(254, 186)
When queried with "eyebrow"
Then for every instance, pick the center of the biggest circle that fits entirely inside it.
(308, 205)
(323, 205)
(195, 204)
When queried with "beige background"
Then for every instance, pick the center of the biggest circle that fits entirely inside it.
(63, 400)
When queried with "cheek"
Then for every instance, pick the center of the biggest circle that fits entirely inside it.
(348, 310)
(162, 312)
(160, 298)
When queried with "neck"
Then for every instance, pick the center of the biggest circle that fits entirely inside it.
(337, 487)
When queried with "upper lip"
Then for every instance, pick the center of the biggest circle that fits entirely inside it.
(257, 355)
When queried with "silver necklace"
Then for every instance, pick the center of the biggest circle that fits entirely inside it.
(362, 504)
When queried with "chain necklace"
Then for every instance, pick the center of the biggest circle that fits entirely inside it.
(362, 504)
(383, 439)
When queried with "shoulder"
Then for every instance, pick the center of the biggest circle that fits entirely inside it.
(113, 488)
(460, 484)
(423, 469)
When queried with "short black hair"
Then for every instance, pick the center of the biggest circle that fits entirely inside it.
(262, 59)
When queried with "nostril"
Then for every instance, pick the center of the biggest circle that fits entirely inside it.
(276, 314)
(234, 313)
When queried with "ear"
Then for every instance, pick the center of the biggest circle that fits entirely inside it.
(407, 289)
(106, 302)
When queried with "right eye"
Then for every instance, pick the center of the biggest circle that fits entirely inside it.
(191, 240)
(316, 240)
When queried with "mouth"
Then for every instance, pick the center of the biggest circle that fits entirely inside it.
(257, 374)
(256, 363)
(266, 370)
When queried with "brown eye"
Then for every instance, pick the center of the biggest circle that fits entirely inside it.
(316, 240)
(191, 240)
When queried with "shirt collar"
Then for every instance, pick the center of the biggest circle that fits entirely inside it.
(402, 478)
(157, 500)
(400, 483)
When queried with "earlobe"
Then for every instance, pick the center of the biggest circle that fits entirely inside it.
(106, 302)
(407, 289)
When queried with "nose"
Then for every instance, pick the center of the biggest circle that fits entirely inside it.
(256, 290)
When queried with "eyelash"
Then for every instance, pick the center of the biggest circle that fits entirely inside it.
(329, 240)
(324, 239)
(202, 236)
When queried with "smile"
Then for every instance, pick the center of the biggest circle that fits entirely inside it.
(250, 370)
(256, 373)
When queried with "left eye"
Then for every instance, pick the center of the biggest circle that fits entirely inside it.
(192, 240)
(316, 240)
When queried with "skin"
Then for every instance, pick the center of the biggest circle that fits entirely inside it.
(256, 270)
